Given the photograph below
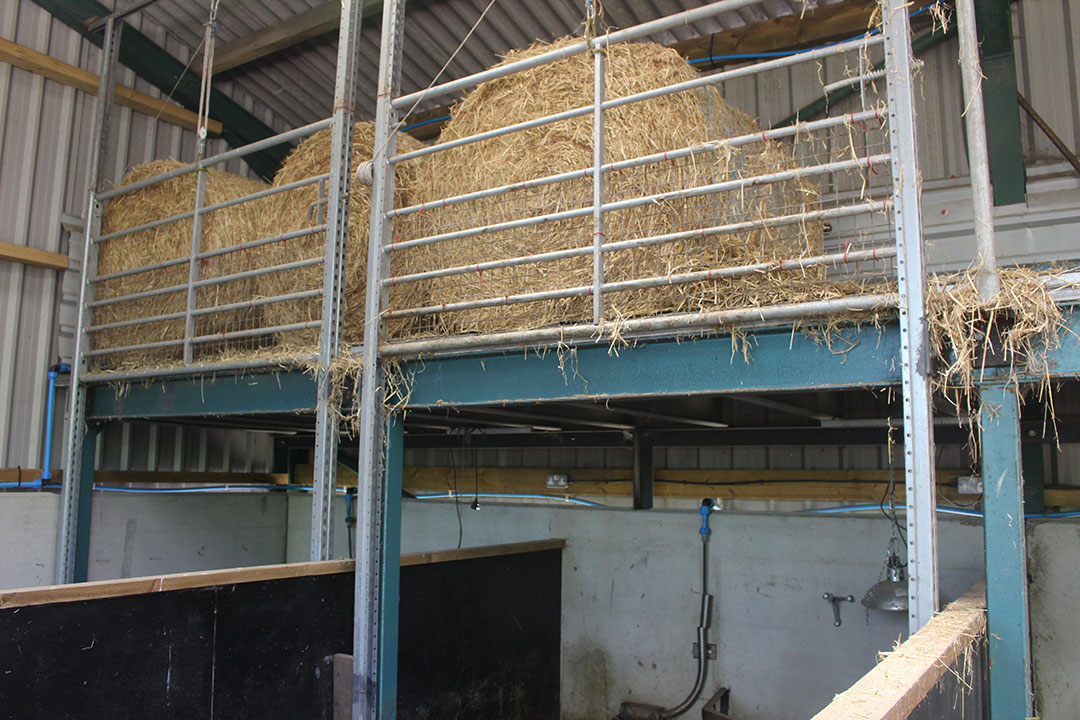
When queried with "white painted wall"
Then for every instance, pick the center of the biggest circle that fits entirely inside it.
(133, 535)
(631, 592)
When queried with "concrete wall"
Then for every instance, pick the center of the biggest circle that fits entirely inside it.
(1053, 559)
(133, 535)
(631, 592)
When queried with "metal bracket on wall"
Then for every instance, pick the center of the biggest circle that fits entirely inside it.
(836, 600)
(710, 651)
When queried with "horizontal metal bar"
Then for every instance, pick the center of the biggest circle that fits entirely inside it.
(197, 369)
(257, 302)
(703, 81)
(265, 193)
(208, 281)
(145, 268)
(136, 321)
(255, 332)
(132, 348)
(258, 271)
(138, 296)
(653, 26)
(694, 322)
(739, 183)
(146, 226)
(869, 206)
(286, 136)
(738, 141)
(284, 237)
(856, 80)
(834, 259)
(778, 221)
(147, 182)
(213, 253)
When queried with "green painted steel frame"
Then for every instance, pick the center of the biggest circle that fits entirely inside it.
(253, 393)
(1006, 561)
(1007, 172)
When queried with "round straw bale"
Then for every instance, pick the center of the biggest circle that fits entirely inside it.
(220, 229)
(654, 126)
(306, 207)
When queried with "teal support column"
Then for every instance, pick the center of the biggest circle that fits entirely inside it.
(994, 20)
(390, 583)
(86, 498)
(1006, 559)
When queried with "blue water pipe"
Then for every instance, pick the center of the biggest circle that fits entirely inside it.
(46, 464)
(941, 509)
(706, 509)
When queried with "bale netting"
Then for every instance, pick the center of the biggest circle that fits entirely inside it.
(306, 207)
(220, 229)
(653, 126)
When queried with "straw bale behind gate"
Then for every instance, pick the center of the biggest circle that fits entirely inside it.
(653, 126)
(220, 229)
(301, 208)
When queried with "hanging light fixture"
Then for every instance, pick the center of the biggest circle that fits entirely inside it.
(890, 593)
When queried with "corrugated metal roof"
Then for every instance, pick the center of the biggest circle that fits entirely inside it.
(297, 83)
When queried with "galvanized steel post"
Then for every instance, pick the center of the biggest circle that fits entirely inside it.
(598, 238)
(70, 514)
(987, 280)
(367, 618)
(337, 236)
(1006, 559)
(918, 438)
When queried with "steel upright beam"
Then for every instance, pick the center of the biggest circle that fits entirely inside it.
(74, 521)
(370, 571)
(598, 237)
(337, 232)
(988, 280)
(1007, 172)
(390, 588)
(918, 437)
(1006, 558)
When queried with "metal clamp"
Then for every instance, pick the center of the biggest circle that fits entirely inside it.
(836, 600)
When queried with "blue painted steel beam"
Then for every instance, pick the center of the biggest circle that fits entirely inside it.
(779, 360)
(390, 582)
(1006, 559)
(225, 394)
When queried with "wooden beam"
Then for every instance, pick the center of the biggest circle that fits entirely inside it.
(824, 24)
(33, 256)
(233, 576)
(896, 686)
(1061, 496)
(114, 477)
(61, 72)
(309, 24)
(829, 485)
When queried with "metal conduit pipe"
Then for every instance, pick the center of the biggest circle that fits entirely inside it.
(987, 280)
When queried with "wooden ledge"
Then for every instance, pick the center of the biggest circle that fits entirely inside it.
(209, 578)
(896, 686)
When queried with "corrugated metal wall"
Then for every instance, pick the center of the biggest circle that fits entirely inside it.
(44, 138)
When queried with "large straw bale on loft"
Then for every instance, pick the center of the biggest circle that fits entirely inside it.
(221, 228)
(298, 209)
(657, 125)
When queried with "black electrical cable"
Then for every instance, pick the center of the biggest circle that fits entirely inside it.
(457, 505)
